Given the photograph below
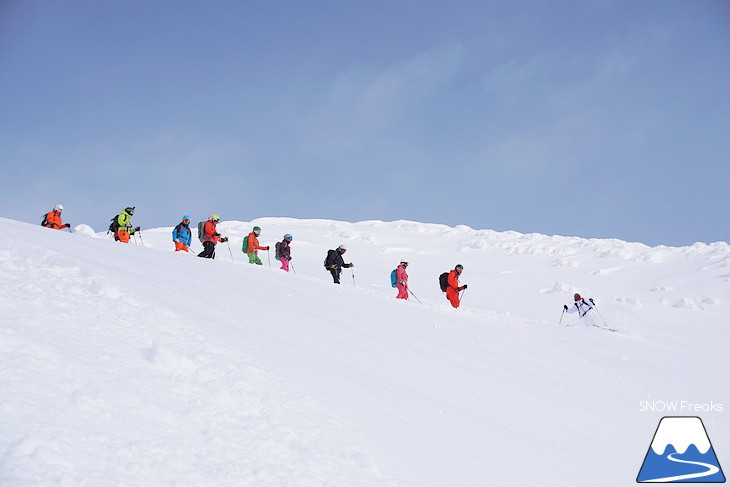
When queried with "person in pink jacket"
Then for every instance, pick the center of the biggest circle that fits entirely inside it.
(402, 280)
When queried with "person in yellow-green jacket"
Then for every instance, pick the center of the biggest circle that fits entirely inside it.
(122, 225)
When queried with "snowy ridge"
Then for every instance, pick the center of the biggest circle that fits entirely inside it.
(131, 364)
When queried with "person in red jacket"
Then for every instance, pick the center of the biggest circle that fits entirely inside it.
(402, 280)
(452, 292)
(211, 237)
(52, 219)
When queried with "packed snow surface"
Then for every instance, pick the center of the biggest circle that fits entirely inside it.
(132, 365)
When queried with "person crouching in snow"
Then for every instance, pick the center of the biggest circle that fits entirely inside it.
(401, 277)
(52, 219)
(182, 236)
(284, 252)
(585, 311)
(253, 247)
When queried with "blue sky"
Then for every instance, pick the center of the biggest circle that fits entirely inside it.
(596, 119)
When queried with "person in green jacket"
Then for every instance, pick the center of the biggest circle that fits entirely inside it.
(124, 225)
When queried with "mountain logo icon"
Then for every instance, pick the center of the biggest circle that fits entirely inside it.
(680, 452)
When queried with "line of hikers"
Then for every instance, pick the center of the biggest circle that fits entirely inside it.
(121, 227)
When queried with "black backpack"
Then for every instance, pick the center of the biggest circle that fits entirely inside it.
(114, 227)
(277, 253)
(444, 281)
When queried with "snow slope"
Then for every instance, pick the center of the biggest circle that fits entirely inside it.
(133, 365)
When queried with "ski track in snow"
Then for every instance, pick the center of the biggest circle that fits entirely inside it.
(131, 365)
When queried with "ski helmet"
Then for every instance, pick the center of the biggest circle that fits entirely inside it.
(257, 230)
(404, 263)
(288, 237)
(214, 217)
(58, 207)
(187, 217)
(576, 296)
(342, 247)
(130, 210)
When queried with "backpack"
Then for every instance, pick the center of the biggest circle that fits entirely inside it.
(444, 281)
(45, 220)
(277, 251)
(244, 245)
(394, 278)
(201, 231)
(114, 227)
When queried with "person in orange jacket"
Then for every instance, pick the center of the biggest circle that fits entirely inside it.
(253, 247)
(452, 292)
(52, 219)
(211, 237)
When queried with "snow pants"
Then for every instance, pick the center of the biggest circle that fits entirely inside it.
(208, 250)
(123, 235)
(254, 259)
(336, 274)
(402, 291)
(284, 264)
(453, 296)
(591, 318)
(181, 246)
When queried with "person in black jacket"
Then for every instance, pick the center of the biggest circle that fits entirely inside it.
(334, 262)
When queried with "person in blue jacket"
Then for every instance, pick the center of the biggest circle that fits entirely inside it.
(182, 236)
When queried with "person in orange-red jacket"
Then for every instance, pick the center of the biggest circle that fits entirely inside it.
(211, 237)
(452, 292)
(52, 219)
(253, 247)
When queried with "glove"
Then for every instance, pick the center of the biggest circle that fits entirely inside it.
(403, 283)
(224, 239)
(267, 248)
(137, 229)
(591, 300)
(216, 234)
(352, 265)
(565, 307)
(463, 287)
(68, 225)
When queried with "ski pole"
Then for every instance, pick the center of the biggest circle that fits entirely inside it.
(230, 252)
(353, 277)
(141, 239)
(292, 267)
(409, 290)
(561, 317)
